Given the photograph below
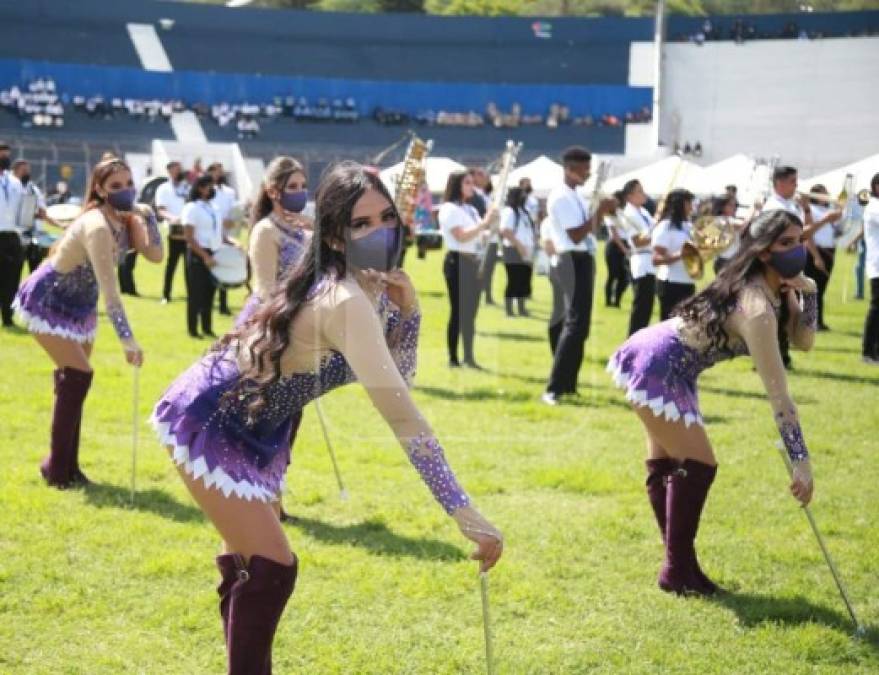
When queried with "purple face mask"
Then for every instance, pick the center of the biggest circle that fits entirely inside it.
(379, 250)
(122, 200)
(789, 263)
(294, 201)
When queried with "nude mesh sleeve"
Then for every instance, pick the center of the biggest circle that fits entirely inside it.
(100, 248)
(263, 259)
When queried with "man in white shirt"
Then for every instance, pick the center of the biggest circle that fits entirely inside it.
(572, 224)
(639, 230)
(31, 215)
(11, 250)
(170, 198)
(870, 348)
(223, 201)
(822, 246)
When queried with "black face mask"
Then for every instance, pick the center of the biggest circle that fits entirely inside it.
(25, 178)
(5, 163)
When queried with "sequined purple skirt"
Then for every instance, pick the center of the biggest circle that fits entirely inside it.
(53, 303)
(250, 306)
(213, 442)
(658, 371)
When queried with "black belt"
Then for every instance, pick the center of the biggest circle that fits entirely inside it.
(468, 256)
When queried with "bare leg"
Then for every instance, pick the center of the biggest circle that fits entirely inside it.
(66, 353)
(676, 440)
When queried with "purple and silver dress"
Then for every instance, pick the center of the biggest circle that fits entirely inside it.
(658, 366)
(216, 440)
(52, 302)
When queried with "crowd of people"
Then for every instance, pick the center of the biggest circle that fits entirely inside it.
(229, 421)
(741, 30)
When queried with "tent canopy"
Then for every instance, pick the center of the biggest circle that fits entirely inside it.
(737, 170)
(437, 170)
(544, 173)
(662, 176)
(862, 170)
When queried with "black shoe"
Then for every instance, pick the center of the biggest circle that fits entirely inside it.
(823, 328)
(209, 334)
(225, 312)
(194, 335)
(470, 363)
(454, 363)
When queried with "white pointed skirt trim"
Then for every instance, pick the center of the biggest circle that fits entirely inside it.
(217, 478)
(658, 405)
(35, 324)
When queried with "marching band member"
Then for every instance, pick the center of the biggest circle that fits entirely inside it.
(59, 301)
(170, 199)
(517, 234)
(725, 207)
(11, 250)
(870, 349)
(461, 228)
(616, 255)
(481, 200)
(33, 212)
(223, 201)
(203, 229)
(736, 314)
(573, 224)
(671, 233)
(280, 232)
(822, 246)
(557, 313)
(643, 272)
(344, 315)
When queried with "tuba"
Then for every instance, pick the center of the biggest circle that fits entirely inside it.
(409, 182)
(710, 236)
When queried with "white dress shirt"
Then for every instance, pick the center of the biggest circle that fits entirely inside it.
(824, 237)
(32, 200)
(568, 209)
(641, 260)
(208, 225)
(547, 234)
(172, 197)
(11, 192)
(776, 202)
(532, 206)
(223, 201)
(871, 237)
(672, 239)
(453, 215)
(522, 229)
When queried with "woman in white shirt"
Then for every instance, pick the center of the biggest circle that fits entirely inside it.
(616, 255)
(203, 229)
(640, 223)
(822, 245)
(517, 232)
(871, 240)
(462, 231)
(669, 237)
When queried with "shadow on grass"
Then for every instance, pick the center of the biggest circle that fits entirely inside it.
(754, 610)
(376, 538)
(838, 377)
(477, 394)
(512, 337)
(104, 495)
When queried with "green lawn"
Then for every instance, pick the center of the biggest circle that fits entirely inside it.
(89, 584)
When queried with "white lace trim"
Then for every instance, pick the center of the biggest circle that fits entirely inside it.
(35, 324)
(217, 478)
(659, 406)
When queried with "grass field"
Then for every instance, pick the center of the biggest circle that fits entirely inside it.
(90, 584)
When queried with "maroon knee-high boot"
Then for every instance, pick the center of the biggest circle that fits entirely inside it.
(687, 490)
(657, 476)
(252, 599)
(71, 388)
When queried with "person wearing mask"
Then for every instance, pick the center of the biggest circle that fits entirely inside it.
(573, 220)
(203, 229)
(870, 348)
(673, 283)
(461, 228)
(32, 215)
(346, 314)
(170, 199)
(517, 234)
(616, 256)
(58, 304)
(223, 202)
(822, 246)
(658, 367)
(640, 228)
(11, 249)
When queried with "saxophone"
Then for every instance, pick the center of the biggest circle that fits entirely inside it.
(409, 182)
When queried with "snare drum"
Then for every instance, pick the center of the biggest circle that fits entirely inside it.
(64, 214)
(231, 268)
(45, 240)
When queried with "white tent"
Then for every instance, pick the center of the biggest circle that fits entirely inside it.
(544, 173)
(863, 171)
(663, 176)
(737, 170)
(437, 173)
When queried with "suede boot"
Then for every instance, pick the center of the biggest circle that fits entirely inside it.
(71, 388)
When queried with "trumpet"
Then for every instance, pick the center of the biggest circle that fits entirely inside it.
(710, 236)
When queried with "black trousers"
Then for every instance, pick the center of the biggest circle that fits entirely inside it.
(828, 255)
(576, 273)
(126, 274)
(200, 299)
(11, 262)
(488, 271)
(461, 272)
(719, 264)
(617, 274)
(871, 325)
(518, 280)
(557, 316)
(176, 250)
(35, 255)
(642, 304)
(670, 293)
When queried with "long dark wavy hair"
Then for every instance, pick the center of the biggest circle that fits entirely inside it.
(711, 307)
(674, 208)
(266, 335)
(278, 172)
